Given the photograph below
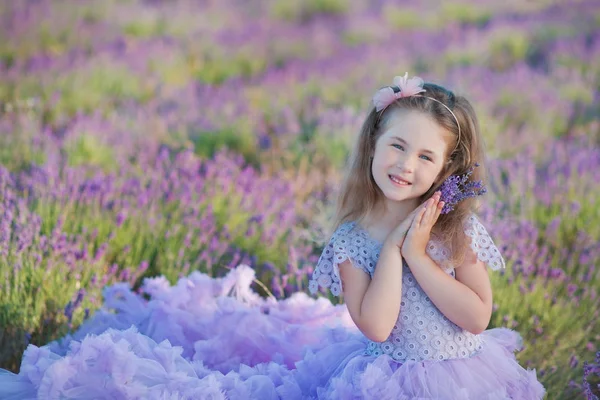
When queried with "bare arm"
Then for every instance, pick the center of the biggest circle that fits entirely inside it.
(466, 300)
(374, 304)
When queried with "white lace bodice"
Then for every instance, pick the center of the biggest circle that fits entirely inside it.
(421, 331)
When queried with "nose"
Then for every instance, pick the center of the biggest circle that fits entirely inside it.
(406, 164)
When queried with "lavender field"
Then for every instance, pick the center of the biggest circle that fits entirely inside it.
(144, 137)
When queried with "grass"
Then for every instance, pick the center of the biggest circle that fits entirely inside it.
(553, 330)
(301, 11)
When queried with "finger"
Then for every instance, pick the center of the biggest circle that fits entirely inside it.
(416, 211)
(438, 211)
(426, 203)
(414, 224)
(431, 210)
(419, 217)
(409, 220)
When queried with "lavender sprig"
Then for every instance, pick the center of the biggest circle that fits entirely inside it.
(591, 370)
(458, 188)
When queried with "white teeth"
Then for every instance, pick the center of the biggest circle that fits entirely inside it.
(398, 181)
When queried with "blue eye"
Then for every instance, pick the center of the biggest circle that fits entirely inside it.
(426, 158)
(398, 146)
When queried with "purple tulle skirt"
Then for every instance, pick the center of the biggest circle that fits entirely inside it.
(210, 338)
(343, 371)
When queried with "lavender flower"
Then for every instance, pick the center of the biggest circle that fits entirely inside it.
(590, 370)
(458, 188)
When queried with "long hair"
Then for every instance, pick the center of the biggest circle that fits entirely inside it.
(360, 195)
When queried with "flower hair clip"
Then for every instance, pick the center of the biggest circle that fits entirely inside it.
(458, 188)
(406, 87)
(403, 87)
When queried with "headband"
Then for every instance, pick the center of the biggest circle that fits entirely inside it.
(404, 87)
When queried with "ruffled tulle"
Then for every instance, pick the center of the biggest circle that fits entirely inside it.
(343, 371)
(216, 339)
(128, 365)
(220, 321)
(202, 338)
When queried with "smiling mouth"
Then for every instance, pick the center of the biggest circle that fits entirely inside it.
(399, 181)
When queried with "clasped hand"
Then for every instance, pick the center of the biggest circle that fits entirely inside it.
(412, 235)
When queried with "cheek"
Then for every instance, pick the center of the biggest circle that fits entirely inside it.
(378, 158)
(384, 156)
(431, 172)
(436, 174)
(379, 167)
(376, 165)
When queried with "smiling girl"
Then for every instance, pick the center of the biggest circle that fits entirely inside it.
(415, 281)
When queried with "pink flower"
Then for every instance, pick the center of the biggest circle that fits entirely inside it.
(383, 98)
(403, 87)
(409, 87)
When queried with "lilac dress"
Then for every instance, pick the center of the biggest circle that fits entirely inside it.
(214, 338)
(426, 355)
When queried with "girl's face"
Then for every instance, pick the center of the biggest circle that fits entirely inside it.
(409, 155)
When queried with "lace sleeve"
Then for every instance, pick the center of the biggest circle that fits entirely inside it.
(482, 244)
(343, 245)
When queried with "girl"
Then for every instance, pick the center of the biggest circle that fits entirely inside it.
(412, 274)
(414, 279)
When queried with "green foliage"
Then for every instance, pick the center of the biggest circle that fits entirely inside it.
(18, 149)
(53, 42)
(357, 37)
(578, 94)
(295, 10)
(86, 149)
(217, 70)
(506, 49)
(170, 248)
(7, 56)
(52, 32)
(467, 14)
(207, 144)
(402, 18)
(460, 58)
(336, 149)
(553, 327)
(212, 66)
(585, 219)
(96, 88)
(145, 29)
(33, 299)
